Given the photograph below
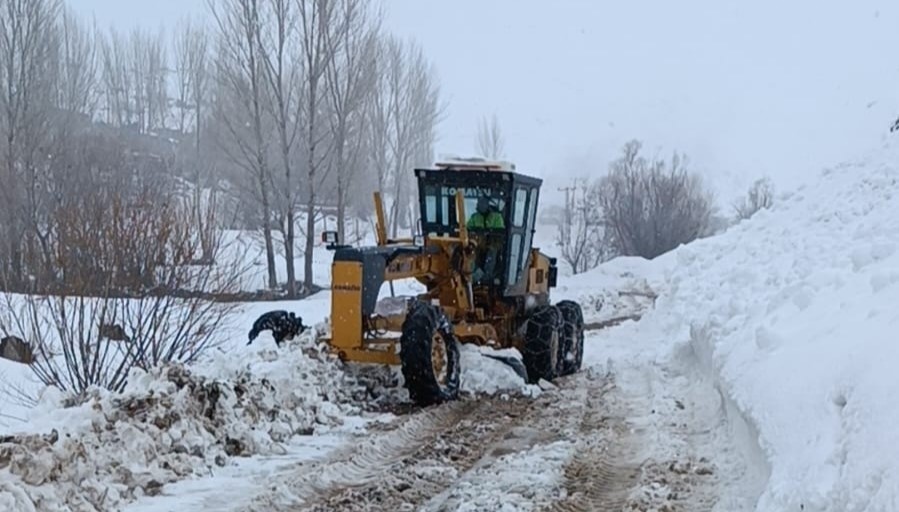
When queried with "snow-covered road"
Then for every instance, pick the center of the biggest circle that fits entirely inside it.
(635, 430)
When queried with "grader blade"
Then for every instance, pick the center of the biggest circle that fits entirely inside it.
(513, 362)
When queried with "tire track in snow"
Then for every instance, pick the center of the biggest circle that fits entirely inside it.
(514, 470)
(466, 464)
(435, 466)
(360, 463)
(604, 470)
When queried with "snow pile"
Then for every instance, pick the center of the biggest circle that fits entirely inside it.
(621, 288)
(484, 375)
(170, 424)
(795, 312)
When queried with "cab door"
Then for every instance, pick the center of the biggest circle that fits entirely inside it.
(521, 233)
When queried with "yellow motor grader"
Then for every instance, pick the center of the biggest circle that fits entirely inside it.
(485, 284)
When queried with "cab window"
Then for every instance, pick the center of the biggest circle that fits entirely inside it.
(521, 199)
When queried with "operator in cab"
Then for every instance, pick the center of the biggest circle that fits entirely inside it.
(486, 217)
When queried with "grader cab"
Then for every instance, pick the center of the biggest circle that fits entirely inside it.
(484, 283)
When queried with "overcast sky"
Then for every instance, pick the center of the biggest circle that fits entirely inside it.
(744, 88)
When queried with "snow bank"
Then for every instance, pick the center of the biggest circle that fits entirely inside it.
(105, 449)
(796, 312)
(619, 288)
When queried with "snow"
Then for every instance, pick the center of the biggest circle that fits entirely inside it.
(792, 314)
(482, 374)
(105, 449)
(182, 432)
(616, 289)
(510, 483)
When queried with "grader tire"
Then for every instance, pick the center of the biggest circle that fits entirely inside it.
(429, 355)
(541, 344)
(571, 342)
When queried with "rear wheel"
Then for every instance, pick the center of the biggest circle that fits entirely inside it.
(541, 344)
(429, 354)
(572, 338)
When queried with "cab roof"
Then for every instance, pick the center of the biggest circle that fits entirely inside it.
(480, 164)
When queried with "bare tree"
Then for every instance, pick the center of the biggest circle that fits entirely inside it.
(191, 55)
(242, 103)
(350, 83)
(403, 113)
(117, 80)
(583, 238)
(490, 141)
(149, 75)
(283, 74)
(135, 76)
(759, 197)
(652, 206)
(191, 50)
(378, 120)
(76, 67)
(319, 24)
(27, 44)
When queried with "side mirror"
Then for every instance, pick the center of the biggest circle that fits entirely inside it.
(553, 276)
(330, 239)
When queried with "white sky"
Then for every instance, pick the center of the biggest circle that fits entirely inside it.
(745, 88)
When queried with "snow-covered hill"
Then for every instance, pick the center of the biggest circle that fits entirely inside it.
(795, 315)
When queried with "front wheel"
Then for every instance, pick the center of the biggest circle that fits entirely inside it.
(429, 354)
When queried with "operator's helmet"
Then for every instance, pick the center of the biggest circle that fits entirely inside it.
(483, 204)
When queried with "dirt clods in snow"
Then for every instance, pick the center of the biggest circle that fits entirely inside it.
(107, 449)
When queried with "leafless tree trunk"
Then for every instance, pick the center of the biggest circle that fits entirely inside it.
(76, 60)
(490, 141)
(191, 47)
(583, 238)
(284, 79)
(403, 114)
(318, 24)
(117, 80)
(242, 77)
(27, 44)
(377, 117)
(350, 80)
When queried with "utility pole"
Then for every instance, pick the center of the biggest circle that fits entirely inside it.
(568, 206)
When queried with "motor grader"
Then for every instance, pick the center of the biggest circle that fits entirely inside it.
(484, 284)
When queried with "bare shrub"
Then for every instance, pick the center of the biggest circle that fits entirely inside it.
(652, 206)
(132, 293)
(760, 196)
(583, 238)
